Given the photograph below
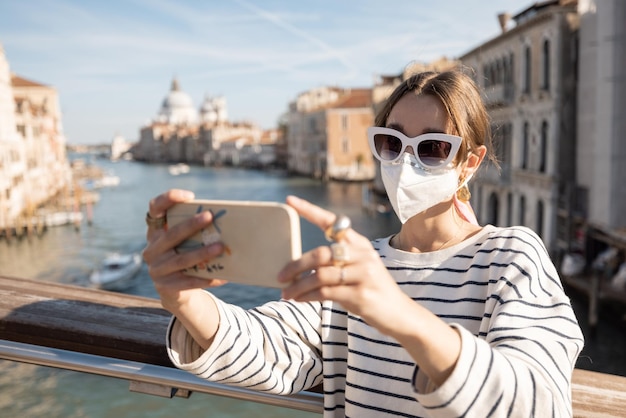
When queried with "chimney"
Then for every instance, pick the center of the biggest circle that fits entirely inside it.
(503, 18)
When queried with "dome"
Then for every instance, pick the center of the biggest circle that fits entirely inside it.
(213, 109)
(208, 112)
(207, 105)
(177, 99)
(177, 106)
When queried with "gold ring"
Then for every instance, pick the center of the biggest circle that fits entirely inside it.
(337, 230)
(340, 254)
(342, 275)
(156, 223)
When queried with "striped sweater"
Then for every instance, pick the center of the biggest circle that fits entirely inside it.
(520, 338)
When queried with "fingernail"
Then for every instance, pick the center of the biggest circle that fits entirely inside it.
(215, 249)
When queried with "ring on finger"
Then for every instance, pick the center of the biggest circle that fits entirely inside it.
(342, 275)
(340, 254)
(337, 230)
(156, 223)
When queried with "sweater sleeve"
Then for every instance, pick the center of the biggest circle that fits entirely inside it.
(274, 348)
(521, 361)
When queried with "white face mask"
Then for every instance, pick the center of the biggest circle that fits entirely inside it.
(412, 190)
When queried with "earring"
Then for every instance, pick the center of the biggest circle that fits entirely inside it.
(463, 194)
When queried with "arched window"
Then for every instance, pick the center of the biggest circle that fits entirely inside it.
(545, 82)
(539, 216)
(493, 209)
(543, 157)
(527, 70)
(509, 81)
(509, 209)
(486, 75)
(522, 210)
(525, 145)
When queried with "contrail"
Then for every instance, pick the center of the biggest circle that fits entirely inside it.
(276, 20)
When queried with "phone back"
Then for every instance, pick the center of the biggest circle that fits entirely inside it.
(260, 238)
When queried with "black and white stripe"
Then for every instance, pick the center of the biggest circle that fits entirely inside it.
(520, 338)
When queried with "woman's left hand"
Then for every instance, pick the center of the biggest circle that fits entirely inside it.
(365, 287)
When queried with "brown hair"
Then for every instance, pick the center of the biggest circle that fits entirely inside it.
(460, 97)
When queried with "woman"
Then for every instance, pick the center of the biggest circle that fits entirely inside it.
(444, 318)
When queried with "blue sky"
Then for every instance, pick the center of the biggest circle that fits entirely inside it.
(112, 62)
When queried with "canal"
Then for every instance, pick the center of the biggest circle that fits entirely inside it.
(68, 255)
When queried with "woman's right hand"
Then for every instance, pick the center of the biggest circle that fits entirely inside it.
(178, 291)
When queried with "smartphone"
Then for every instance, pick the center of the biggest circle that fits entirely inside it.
(260, 238)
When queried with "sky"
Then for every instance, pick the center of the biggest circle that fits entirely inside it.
(112, 62)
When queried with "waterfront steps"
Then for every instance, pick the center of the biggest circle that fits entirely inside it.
(132, 328)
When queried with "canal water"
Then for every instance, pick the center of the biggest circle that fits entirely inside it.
(68, 255)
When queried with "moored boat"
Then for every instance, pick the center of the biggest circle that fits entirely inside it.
(177, 169)
(117, 271)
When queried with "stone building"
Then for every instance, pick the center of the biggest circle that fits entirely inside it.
(33, 160)
(12, 161)
(119, 147)
(326, 134)
(599, 193)
(528, 74)
(182, 133)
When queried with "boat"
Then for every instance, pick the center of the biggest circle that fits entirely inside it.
(62, 218)
(117, 271)
(106, 181)
(180, 168)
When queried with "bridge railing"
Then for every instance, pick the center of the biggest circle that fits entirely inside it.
(122, 336)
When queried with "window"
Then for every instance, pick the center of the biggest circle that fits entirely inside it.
(522, 210)
(493, 209)
(545, 82)
(509, 78)
(486, 76)
(527, 70)
(344, 122)
(345, 145)
(507, 135)
(498, 141)
(525, 146)
(509, 209)
(539, 216)
(543, 147)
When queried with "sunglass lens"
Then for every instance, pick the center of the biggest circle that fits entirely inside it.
(433, 153)
(388, 147)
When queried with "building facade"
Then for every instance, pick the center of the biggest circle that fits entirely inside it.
(182, 133)
(326, 134)
(528, 75)
(600, 196)
(33, 160)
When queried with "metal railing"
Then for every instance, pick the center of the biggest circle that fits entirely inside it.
(148, 378)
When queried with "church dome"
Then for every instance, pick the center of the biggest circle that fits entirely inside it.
(177, 107)
(207, 105)
(208, 113)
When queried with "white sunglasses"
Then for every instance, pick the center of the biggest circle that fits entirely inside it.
(432, 150)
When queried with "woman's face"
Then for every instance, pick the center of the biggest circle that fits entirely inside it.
(416, 115)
